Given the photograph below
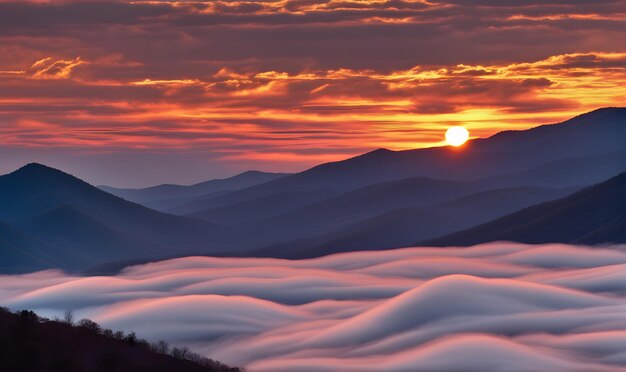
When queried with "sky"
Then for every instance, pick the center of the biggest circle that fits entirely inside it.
(136, 93)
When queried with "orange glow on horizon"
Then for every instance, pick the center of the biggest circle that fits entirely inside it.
(285, 85)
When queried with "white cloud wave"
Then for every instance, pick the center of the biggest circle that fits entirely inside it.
(493, 307)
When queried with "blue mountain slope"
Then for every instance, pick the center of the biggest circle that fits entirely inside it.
(595, 215)
(66, 212)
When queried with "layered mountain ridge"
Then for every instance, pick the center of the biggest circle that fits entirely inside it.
(379, 200)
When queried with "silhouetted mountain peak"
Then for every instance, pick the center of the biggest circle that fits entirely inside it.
(378, 152)
(37, 184)
(36, 168)
(601, 112)
(605, 116)
(250, 172)
(35, 178)
(39, 172)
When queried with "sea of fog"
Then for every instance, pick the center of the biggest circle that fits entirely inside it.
(493, 307)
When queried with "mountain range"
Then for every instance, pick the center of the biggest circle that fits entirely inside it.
(379, 200)
(167, 196)
(401, 227)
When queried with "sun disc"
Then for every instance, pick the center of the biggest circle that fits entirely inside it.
(457, 135)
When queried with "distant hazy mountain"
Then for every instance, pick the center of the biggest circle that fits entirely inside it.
(568, 172)
(313, 218)
(403, 227)
(169, 196)
(357, 204)
(344, 210)
(283, 217)
(263, 208)
(596, 132)
(579, 151)
(95, 227)
(594, 215)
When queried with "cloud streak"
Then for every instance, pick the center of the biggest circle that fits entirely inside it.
(492, 307)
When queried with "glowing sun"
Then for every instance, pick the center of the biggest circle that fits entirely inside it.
(457, 135)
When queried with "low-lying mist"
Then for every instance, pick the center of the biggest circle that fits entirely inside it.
(493, 307)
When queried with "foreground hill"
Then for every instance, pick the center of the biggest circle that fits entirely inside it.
(92, 226)
(29, 343)
(594, 215)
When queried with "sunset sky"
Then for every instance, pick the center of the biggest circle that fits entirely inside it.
(133, 93)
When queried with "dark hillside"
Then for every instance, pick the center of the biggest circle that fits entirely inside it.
(29, 343)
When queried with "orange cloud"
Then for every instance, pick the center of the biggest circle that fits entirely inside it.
(49, 68)
(283, 85)
(306, 117)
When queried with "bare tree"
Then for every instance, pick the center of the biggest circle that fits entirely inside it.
(180, 352)
(68, 317)
(90, 325)
(162, 347)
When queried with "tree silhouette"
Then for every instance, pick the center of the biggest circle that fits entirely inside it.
(68, 317)
(29, 342)
(90, 325)
(162, 347)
